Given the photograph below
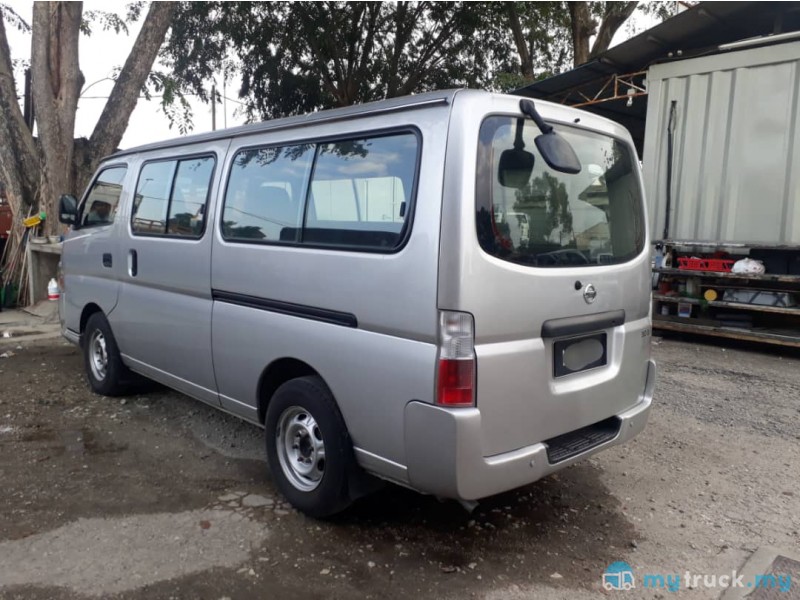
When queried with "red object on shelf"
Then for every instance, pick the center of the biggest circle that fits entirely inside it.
(705, 264)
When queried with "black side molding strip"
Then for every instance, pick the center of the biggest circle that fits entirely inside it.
(584, 324)
(324, 315)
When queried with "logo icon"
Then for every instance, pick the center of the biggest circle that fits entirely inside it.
(589, 293)
(618, 576)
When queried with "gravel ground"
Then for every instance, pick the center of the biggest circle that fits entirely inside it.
(158, 496)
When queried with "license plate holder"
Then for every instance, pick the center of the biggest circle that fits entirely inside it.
(577, 354)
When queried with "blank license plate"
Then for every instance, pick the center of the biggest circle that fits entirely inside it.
(579, 354)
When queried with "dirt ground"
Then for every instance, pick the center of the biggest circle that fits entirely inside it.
(159, 496)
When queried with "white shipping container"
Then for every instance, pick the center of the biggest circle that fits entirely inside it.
(736, 146)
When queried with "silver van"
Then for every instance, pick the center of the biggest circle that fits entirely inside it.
(448, 291)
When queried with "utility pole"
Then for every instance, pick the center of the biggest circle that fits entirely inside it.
(27, 102)
(213, 107)
(224, 103)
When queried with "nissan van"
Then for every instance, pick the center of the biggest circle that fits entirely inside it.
(448, 291)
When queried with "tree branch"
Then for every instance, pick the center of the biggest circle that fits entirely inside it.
(616, 14)
(401, 34)
(421, 69)
(113, 121)
(369, 43)
(358, 72)
(583, 27)
(330, 81)
(18, 156)
(519, 40)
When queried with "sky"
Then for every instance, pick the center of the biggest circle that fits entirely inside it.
(102, 51)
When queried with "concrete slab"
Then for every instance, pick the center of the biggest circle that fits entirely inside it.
(46, 310)
(20, 326)
(783, 565)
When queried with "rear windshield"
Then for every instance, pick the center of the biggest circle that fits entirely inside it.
(553, 219)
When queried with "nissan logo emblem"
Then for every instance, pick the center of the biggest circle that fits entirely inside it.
(589, 293)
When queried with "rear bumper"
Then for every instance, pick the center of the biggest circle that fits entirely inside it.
(444, 454)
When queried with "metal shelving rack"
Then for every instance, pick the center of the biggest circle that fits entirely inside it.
(770, 324)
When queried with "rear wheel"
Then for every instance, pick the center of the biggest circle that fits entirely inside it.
(309, 451)
(105, 371)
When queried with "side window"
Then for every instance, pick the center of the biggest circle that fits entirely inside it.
(151, 202)
(187, 210)
(265, 194)
(171, 197)
(102, 200)
(361, 191)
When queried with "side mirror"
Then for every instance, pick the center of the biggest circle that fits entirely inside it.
(557, 153)
(68, 209)
(515, 168)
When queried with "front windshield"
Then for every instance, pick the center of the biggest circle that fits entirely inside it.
(555, 219)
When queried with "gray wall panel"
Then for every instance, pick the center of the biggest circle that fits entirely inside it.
(736, 146)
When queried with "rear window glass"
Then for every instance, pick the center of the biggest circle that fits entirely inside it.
(555, 219)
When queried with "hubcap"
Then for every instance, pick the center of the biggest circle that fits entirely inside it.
(301, 449)
(98, 356)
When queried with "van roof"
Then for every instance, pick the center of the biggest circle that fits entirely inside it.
(336, 114)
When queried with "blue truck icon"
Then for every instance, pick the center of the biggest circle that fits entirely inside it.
(618, 576)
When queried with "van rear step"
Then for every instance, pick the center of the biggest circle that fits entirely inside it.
(568, 445)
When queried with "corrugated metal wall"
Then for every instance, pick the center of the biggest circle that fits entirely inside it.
(736, 162)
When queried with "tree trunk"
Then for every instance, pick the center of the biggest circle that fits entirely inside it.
(19, 159)
(616, 14)
(583, 28)
(36, 173)
(520, 41)
(114, 119)
(56, 84)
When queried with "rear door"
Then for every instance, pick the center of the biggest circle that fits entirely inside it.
(554, 270)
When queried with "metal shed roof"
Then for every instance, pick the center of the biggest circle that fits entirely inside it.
(696, 31)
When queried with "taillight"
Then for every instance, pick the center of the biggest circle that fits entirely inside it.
(455, 385)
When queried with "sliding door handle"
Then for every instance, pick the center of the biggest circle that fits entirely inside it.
(133, 263)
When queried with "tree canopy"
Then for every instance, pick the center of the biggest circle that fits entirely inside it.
(296, 57)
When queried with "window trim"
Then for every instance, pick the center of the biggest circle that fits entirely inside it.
(89, 188)
(405, 232)
(178, 159)
(481, 169)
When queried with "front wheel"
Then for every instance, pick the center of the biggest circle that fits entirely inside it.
(309, 451)
(105, 371)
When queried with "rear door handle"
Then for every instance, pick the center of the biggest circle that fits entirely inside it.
(107, 260)
(133, 263)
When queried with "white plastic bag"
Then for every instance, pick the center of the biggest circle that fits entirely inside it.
(748, 266)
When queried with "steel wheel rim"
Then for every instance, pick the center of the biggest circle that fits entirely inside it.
(301, 449)
(98, 355)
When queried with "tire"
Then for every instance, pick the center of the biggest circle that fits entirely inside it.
(309, 451)
(105, 371)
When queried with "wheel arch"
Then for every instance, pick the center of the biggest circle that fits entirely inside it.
(275, 375)
(87, 312)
